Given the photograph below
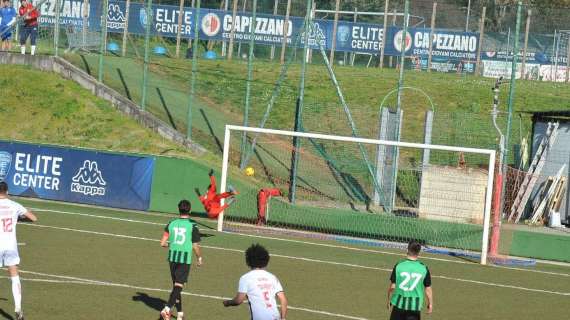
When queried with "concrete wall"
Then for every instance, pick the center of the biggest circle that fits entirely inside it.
(558, 155)
(453, 194)
(124, 105)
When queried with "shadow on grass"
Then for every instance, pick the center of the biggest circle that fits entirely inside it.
(165, 107)
(218, 143)
(86, 64)
(127, 91)
(5, 315)
(151, 302)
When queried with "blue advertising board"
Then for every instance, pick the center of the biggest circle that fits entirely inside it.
(71, 11)
(80, 176)
(446, 45)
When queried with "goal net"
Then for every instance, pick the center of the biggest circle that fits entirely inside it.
(357, 190)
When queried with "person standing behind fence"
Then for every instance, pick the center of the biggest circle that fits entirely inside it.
(30, 27)
(7, 19)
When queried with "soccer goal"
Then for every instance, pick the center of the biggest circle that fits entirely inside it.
(358, 190)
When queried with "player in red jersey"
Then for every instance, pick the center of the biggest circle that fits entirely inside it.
(212, 200)
(30, 27)
(263, 197)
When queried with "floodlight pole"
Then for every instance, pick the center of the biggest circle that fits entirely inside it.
(511, 96)
(300, 101)
(499, 188)
(146, 54)
(248, 84)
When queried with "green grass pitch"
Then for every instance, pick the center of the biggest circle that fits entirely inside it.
(82, 262)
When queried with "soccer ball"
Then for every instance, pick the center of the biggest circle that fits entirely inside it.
(249, 171)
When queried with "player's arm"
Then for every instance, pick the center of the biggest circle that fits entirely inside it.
(236, 301)
(196, 244)
(25, 213)
(164, 239)
(392, 287)
(283, 302)
(428, 292)
(30, 216)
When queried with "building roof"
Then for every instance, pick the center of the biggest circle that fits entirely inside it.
(552, 114)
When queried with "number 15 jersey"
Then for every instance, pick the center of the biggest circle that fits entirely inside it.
(261, 287)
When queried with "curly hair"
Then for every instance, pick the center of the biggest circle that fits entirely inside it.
(256, 256)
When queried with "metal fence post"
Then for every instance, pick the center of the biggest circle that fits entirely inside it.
(300, 101)
(103, 47)
(248, 83)
(194, 68)
(126, 29)
(56, 27)
(146, 52)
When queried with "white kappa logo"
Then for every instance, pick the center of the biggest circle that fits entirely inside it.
(89, 180)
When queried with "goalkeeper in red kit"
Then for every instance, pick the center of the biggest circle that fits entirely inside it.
(263, 197)
(212, 200)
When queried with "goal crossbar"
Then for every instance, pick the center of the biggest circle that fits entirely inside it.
(491, 168)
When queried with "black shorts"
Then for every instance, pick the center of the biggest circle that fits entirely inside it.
(28, 31)
(179, 272)
(399, 314)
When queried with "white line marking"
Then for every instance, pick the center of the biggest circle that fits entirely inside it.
(307, 260)
(82, 281)
(303, 242)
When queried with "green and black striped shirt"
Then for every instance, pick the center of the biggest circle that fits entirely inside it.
(411, 277)
(182, 233)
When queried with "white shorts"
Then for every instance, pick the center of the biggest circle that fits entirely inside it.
(9, 258)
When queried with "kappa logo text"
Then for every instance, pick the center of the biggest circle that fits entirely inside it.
(89, 180)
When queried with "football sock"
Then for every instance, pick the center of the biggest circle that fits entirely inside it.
(23, 49)
(33, 50)
(17, 293)
(174, 294)
(179, 304)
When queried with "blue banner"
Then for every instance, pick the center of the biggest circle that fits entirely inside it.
(57, 173)
(71, 11)
(446, 45)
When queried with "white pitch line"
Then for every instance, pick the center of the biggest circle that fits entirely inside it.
(305, 242)
(308, 260)
(82, 281)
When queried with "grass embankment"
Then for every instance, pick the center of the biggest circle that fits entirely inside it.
(462, 103)
(42, 107)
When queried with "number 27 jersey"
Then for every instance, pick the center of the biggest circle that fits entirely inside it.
(261, 287)
(411, 277)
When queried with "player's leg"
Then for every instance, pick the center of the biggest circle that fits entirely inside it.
(33, 36)
(179, 273)
(11, 260)
(23, 38)
(261, 206)
(212, 188)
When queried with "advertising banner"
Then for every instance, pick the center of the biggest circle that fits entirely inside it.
(531, 57)
(80, 176)
(440, 65)
(214, 24)
(497, 69)
(217, 25)
(71, 11)
(452, 45)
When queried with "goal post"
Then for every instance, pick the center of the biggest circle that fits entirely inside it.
(446, 203)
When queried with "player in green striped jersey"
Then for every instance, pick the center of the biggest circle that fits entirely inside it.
(409, 282)
(181, 236)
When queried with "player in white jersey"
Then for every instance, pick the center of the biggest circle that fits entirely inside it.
(10, 211)
(260, 287)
